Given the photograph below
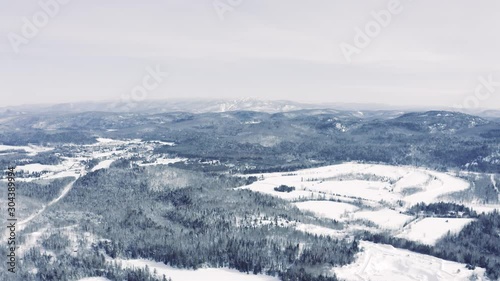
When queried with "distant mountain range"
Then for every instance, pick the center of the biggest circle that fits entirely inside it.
(222, 105)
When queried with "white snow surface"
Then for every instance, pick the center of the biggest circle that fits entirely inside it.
(327, 209)
(319, 230)
(386, 218)
(370, 182)
(30, 149)
(483, 208)
(429, 230)
(208, 274)
(106, 141)
(103, 164)
(379, 262)
(37, 167)
(70, 167)
(163, 161)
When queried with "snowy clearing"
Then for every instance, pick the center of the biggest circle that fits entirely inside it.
(94, 279)
(429, 230)
(385, 218)
(370, 182)
(70, 167)
(484, 208)
(106, 141)
(327, 209)
(163, 161)
(370, 190)
(38, 168)
(319, 230)
(164, 143)
(103, 165)
(30, 149)
(99, 154)
(267, 187)
(209, 274)
(379, 262)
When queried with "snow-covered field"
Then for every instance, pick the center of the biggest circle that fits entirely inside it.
(103, 165)
(483, 208)
(94, 279)
(370, 182)
(319, 230)
(105, 154)
(370, 190)
(163, 161)
(209, 274)
(390, 189)
(379, 262)
(37, 168)
(113, 142)
(429, 230)
(70, 167)
(385, 218)
(29, 149)
(267, 186)
(327, 209)
(164, 143)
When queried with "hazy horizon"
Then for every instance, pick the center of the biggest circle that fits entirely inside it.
(239, 105)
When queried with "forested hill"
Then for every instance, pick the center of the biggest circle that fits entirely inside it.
(265, 141)
(192, 191)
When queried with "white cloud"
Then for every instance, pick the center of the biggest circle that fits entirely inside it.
(282, 49)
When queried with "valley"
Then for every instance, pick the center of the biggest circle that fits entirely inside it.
(171, 204)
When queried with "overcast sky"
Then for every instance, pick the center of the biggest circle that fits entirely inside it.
(430, 53)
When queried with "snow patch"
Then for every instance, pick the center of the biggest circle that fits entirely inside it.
(429, 230)
(103, 165)
(327, 209)
(385, 218)
(379, 262)
(30, 149)
(369, 182)
(219, 274)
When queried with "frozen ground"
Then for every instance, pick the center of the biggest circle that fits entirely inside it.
(390, 189)
(267, 186)
(164, 143)
(163, 161)
(208, 274)
(429, 230)
(113, 142)
(385, 218)
(319, 230)
(379, 262)
(70, 167)
(370, 190)
(369, 182)
(327, 209)
(103, 164)
(483, 208)
(37, 168)
(29, 149)
(105, 154)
